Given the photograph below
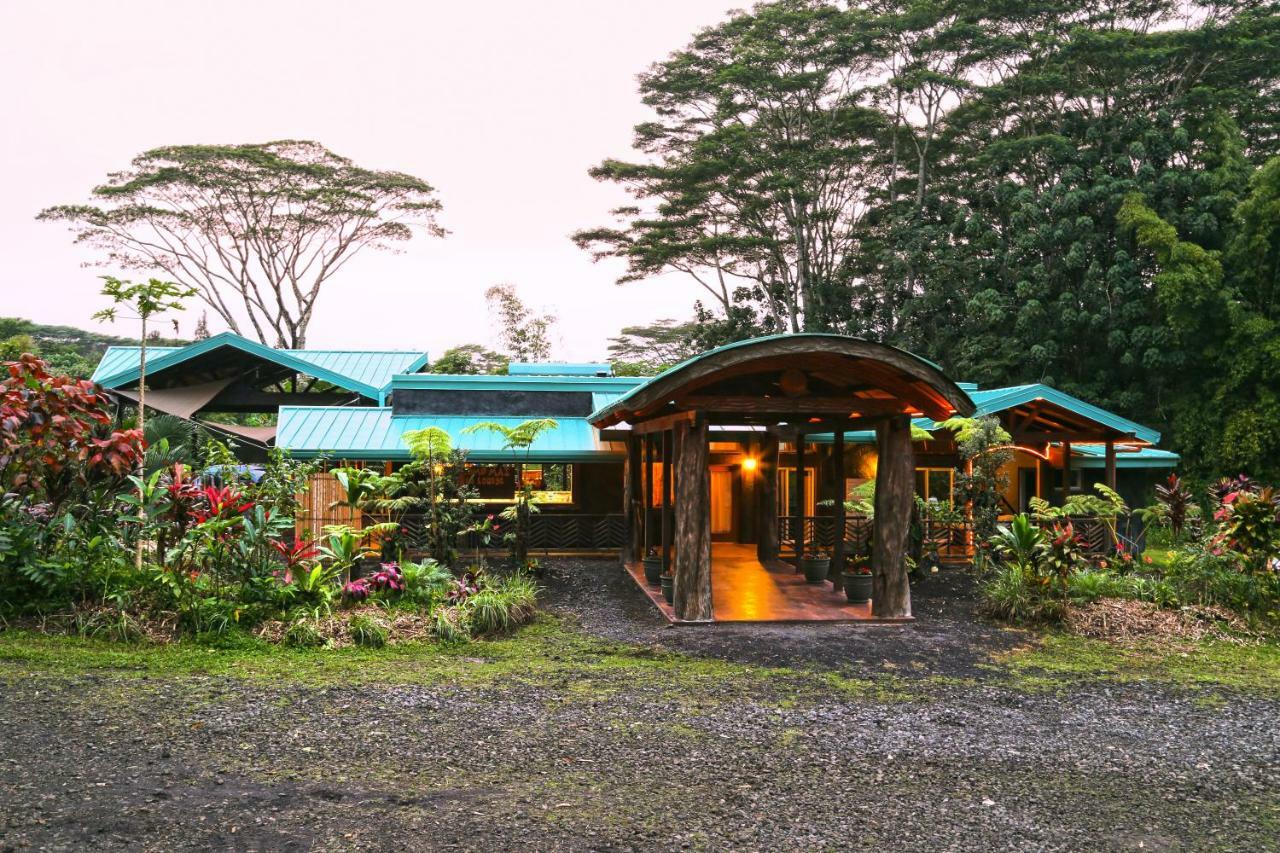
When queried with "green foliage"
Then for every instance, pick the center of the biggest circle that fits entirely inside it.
(980, 480)
(524, 334)
(1015, 592)
(470, 360)
(649, 350)
(303, 634)
(368, 631)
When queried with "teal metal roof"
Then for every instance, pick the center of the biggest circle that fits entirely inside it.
(117, 359)
(615, 385)
(1095, 456)
(375, 433)
(998, 399)
(520, 368)
(367, 372)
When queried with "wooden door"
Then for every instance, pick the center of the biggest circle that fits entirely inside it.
(721, 503)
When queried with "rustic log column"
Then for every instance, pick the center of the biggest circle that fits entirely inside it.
(1066, 471)
(895, 483)
(692, 600)
(837, 548)
(767, 500)
(1111, 463)
(797, 532)
(667, 471)
(647, 514)
(631, 544)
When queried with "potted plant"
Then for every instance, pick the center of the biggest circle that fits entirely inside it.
(668, 581)
(815, 566)
(652, 567)
(857, 581)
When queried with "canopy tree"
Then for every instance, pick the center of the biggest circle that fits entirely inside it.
(256, 229)
(525, 334)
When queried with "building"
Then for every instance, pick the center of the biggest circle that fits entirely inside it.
(791, 422)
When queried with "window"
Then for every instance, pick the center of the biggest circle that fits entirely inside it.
(936, 484)
(551, 483)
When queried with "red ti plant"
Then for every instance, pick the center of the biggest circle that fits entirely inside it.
(1176, 500)
(294, 555)
(223, 502)
(55, 436)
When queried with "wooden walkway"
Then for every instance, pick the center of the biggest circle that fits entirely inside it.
(743, 590)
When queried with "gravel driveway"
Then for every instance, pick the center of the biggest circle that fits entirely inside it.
(630, 759)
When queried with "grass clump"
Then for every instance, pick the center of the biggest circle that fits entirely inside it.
(368, 632)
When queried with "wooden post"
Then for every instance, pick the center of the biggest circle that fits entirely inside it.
(632, 549)
(895, 484)
(1066, 471)
(647, 516)
(1111, 463)
(667, 472)
(797, 532)
(767, 500)
(837, 548)
(692, 600)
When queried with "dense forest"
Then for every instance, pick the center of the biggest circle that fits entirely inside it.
(68, 351)
(1082, 194)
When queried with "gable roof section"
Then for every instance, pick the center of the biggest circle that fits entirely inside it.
(996, 400)
(365, 372)
(375, 433)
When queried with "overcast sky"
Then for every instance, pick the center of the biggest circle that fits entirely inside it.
(502, 106)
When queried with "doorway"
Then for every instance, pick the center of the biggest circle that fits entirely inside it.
(722, 515)
(1027, 487)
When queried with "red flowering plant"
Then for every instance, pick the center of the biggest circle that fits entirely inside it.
(1249, 526)
(388, 578)
(295, 555)
(55, 436)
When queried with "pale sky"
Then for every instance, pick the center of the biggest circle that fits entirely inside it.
(502, 106)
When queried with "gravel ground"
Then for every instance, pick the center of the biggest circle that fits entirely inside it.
(619, 762)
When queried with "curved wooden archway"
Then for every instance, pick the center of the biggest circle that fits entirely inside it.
(807, 382)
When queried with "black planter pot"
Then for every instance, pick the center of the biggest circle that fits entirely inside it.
(652, 570)
(669, 588)
(857, 588)
(815, 569)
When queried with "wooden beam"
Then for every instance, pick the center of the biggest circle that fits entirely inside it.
(895, 488)
(648, 493)
(632, 502)
(1111, 464)
(767, 500)
(837, 551)
(1081, 437)
(793, 405)
(1066, 471)
(662, 423)
(692, 599)
(797, 530)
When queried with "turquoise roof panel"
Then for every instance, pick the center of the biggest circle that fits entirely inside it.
(375, 433)
(521, 368)
(366, 372)
(1095, 456)
(117, 359)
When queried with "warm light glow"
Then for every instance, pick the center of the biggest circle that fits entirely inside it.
(749, 463)
(438, 468)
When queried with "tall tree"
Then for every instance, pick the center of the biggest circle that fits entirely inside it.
(650, 349)
(525, 334)
(256, 229)
(470, 359)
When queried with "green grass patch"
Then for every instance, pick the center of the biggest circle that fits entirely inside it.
(1060, 660)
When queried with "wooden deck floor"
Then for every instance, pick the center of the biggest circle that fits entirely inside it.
(743, 590)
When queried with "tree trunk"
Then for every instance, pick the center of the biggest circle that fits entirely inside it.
(837, 549)
(767, 500)
(692, 600)
(895, 483)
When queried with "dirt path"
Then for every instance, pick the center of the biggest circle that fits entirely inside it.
(665, 757)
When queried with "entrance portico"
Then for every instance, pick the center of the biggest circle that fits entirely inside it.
(769, 391)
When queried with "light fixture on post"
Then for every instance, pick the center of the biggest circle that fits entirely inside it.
(749, 463)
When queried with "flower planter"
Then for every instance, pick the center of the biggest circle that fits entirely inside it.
(815, 568)
(857, 587)
(669, 588)
(652, 570)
